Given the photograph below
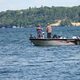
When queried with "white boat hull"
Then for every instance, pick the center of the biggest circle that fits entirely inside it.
(54, 42)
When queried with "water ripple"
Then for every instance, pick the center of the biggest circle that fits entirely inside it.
(21, 60)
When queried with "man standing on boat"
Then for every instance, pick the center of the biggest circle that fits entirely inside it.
(39, 31)
(48, 29)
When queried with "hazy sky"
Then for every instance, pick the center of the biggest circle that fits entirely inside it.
(24, 4)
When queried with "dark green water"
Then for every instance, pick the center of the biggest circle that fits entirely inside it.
(21, 60)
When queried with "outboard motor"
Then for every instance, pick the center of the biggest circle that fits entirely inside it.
(77, 40)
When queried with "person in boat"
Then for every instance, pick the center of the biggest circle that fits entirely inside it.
(39, 31)
(48, 30)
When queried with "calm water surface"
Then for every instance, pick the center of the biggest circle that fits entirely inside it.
(21, 60)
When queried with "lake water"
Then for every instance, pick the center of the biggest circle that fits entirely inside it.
(21, 60)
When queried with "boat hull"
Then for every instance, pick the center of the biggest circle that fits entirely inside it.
(55, 42)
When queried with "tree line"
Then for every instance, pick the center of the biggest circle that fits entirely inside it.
(33, 16)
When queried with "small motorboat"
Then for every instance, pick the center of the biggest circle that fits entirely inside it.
(55, 41)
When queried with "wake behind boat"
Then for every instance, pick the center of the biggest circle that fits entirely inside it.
(54, 41)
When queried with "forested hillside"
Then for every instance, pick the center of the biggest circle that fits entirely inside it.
(43, 15)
